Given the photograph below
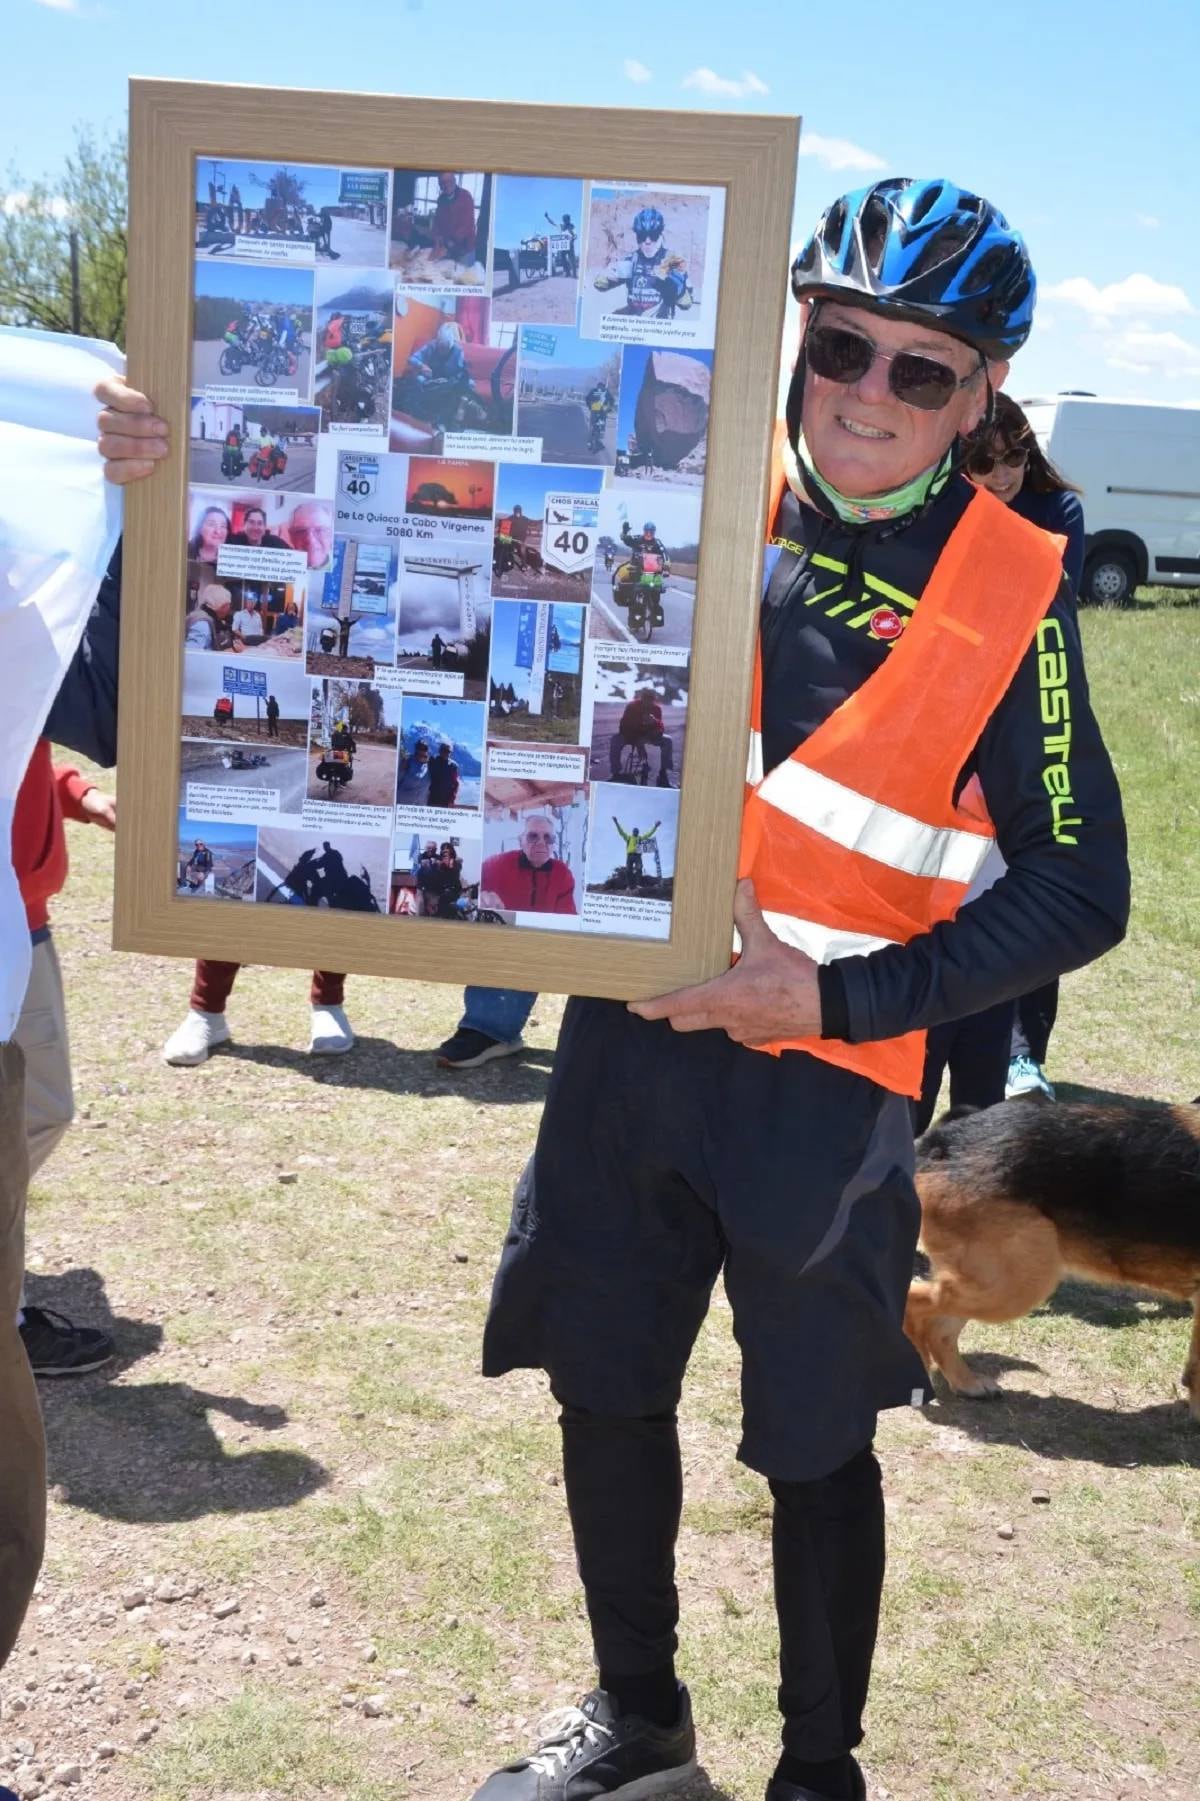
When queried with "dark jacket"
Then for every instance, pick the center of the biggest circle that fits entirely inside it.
(1061, 513)
(84, 713)
(1061, 904)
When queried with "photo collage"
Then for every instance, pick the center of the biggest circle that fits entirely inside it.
(446, 468)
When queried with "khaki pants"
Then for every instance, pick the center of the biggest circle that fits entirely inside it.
(42, 1035)
(22, 1444)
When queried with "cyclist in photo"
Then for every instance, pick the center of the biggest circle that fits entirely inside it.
(635, 844)
(566, 225)
(656, 280)
(647, 545)
(642, 723)
(600, 402)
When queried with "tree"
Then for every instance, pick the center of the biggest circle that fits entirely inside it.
(63, 244)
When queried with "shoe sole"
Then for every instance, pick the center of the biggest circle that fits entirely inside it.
(195, 1062)
(493, 1051)
(663, 1782)
(330, 1047)
(75, 1369)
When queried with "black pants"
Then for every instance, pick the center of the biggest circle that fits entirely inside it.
(624, 1489)
(1034, 1022)
(976, 1050)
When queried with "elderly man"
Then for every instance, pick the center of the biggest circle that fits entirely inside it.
(919, 696)
(532, 879)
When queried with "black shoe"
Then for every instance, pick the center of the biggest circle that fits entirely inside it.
(592, 1750)
(778, 1790)
(57, 1348)
(466, 1049)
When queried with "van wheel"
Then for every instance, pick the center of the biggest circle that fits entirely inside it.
(1109, 578)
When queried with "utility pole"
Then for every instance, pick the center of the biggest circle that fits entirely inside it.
(76, 307)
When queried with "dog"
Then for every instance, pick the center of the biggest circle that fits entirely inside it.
(1018, 1196)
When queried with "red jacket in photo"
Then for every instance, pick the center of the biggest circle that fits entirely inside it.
(521, 887)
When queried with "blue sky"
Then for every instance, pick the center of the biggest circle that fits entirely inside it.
(527, 485)
(1078, 117)
(253, 284)
(524, 202)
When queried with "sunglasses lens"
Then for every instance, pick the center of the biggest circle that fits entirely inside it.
(1016, 458)
(838, 355)
(920, 382)
(980, 463)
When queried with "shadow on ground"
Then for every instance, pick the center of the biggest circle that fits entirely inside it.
(1112, 1306)
(147, 1452)
(1059, 1428)
(377, 1063)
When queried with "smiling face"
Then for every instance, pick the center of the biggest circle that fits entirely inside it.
(254, 524)
(861, 438)
(1003, 482)
(537, 840)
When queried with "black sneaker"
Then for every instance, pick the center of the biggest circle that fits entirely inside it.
(57, 1348)
(592, 1750)
(778, 1790)
(467, 1049)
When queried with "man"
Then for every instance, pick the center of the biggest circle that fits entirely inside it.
(599, 403)
(437, 649)
(248, 623)
(642, 723)
(311, 530)
(767, 1135)
(635, 843)
(443, 778)
(254, 532)
(210, 627)
(655, 281)
(442, 357)
(647, 545)
(412, 789)
(532, 879)
(453, 222)
(272, 716)
(199, 865)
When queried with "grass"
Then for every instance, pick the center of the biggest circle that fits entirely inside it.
(299, 1404)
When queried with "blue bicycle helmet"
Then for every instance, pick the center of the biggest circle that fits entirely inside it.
(926, 251)
(649, 223)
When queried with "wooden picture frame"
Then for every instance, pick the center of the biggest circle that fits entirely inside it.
(752, 159)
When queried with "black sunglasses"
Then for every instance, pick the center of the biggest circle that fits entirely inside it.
(919, 381)
(982, 462)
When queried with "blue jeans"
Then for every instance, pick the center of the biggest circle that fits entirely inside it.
(499, 1013)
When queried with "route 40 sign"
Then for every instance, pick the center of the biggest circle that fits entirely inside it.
(569, 532)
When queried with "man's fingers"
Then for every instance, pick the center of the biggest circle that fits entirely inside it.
(132, 425)
(115, 445)
(115, 391)
(747, 914)
(664, 1005)
(129, 469)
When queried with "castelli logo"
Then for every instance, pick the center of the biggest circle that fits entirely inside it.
(886, 623)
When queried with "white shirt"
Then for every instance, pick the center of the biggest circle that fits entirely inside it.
(247, 624)
(59, 525)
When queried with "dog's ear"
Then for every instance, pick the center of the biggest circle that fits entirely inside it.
(1195, 1103)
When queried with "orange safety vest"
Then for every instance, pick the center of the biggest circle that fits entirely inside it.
(855, 841)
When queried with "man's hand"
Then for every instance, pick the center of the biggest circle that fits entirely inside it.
(132, 436)
(769, 994)
(100, 808)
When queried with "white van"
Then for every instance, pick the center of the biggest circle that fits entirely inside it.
(1138, 466)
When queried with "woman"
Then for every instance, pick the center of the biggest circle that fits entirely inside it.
(212, 532)
(996, 1055)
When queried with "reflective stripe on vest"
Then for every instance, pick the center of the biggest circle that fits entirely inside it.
(857, 841)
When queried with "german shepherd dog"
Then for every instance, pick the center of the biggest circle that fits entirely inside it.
(1018, 1196)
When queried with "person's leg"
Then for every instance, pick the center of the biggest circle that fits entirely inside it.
(818, 1204)
(204, 1025)
(41, 1033)
(828, 1545)
(1034, 1022)
(979, 1060)
(331, 1034)
(23, 1464)
(491, 1026)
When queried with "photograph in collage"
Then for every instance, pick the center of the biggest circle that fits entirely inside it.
(535, 249)
(568, 395)
(283, 213)
(440, 228)
(353, 342)
(447, 448)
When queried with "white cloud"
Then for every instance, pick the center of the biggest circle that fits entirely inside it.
(60, 6)
(1150, 220)
(838, 153)
(707, 81)
(18, 201)
(1136, 296)
(636, 71)
(1147, 352)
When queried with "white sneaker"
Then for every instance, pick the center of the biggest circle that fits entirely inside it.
(331, 1032)
(199, 1034)
(1026, 1076)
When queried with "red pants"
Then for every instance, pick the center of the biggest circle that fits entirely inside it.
(213, 985)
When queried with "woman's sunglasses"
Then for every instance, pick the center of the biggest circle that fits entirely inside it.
(919, 381)
(982, 462)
